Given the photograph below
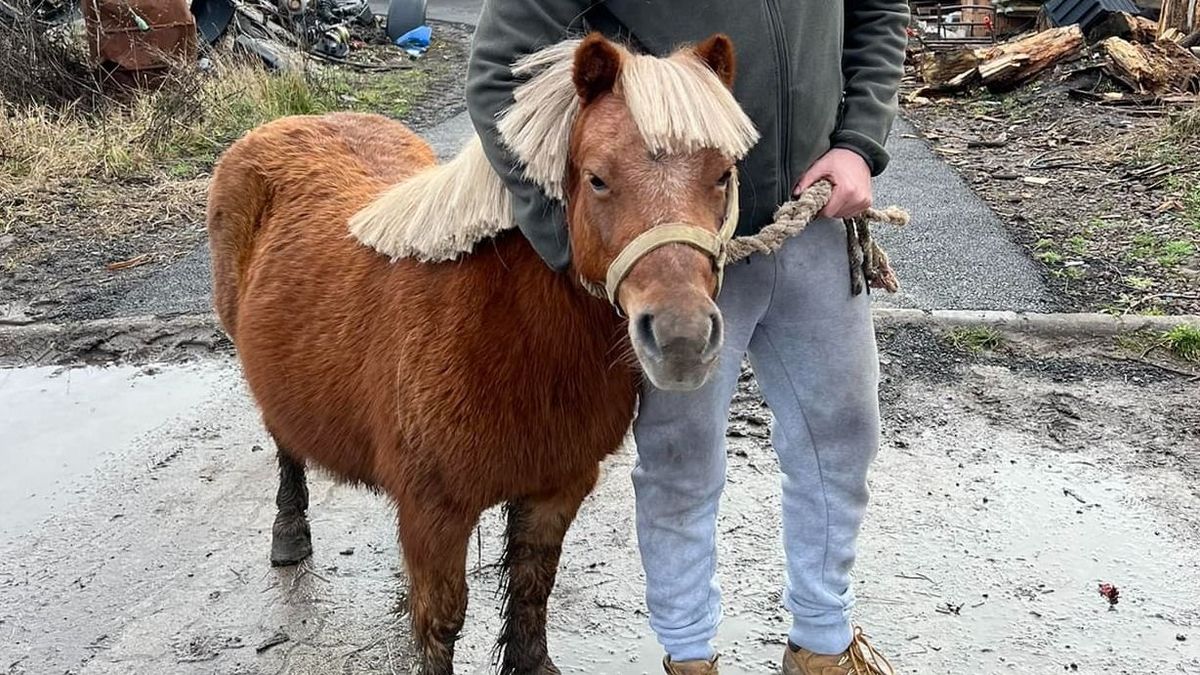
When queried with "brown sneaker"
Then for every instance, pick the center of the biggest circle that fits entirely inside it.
(690, 667)
(858, 659)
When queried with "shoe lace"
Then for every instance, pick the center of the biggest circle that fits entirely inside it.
(863, 659)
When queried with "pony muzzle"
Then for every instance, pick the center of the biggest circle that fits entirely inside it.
(677, 350)
(675, 328)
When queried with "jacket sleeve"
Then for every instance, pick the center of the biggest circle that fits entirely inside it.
(507, 31)
(872, 64)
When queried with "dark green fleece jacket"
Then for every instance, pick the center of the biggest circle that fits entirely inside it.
(812, 74)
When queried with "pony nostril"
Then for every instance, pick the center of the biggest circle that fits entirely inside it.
(715, 334)
(645, 335)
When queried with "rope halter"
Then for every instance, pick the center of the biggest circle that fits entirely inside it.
(712, 243)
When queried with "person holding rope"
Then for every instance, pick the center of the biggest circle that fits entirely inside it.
(819, 78)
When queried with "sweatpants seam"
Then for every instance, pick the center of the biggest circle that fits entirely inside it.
(770, 297)
(812, 443)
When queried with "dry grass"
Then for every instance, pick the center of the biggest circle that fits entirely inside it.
(129, 177)
(188, 120)
(100, 186)
(1185, 126)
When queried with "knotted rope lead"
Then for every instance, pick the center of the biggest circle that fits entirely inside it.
(868, 261)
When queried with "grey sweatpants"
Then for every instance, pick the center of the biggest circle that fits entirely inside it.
(812, 346)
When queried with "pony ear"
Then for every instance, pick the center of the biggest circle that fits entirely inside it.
(597, 65)
(717, 53)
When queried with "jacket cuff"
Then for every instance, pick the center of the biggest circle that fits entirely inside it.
(872, 152)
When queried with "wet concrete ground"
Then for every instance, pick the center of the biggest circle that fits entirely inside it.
(134, 536)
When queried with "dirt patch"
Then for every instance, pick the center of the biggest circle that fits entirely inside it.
(93, 206)
(1049, 401)
(121, 340)
(1107, 199)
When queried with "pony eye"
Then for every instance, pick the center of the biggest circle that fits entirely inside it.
(597, 184)
(725, 178)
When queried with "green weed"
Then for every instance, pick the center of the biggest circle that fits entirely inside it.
(1191, 206)
(1175, 252)
(1050, 257)
(975, 339)
(1139, 283)
(1183, 341)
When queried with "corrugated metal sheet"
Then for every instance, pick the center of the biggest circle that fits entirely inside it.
(1085, 12)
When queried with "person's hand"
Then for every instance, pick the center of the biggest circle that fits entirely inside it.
(851, 178)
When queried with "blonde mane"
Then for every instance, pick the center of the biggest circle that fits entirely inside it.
(678, 104)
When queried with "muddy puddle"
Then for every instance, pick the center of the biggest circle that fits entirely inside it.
(61, 424)
(1001, 501)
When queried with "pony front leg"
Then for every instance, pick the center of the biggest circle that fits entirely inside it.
(536, 528)
(434, 540)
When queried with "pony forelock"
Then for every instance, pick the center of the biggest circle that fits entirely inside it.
(677, 103)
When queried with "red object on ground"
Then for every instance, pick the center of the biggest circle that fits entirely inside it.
(132, 38)
(1110, 593)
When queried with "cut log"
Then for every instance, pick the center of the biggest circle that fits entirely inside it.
(1011, 64)
(1181, 15)
(1159, 68)
(1123, 25)
(939, 68)
(1003, 66)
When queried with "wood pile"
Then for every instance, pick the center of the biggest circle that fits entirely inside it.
(1135, 52)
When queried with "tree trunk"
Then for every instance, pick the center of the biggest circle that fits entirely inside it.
(1003, 66)
(1159, 68)
(1182, 15)
(939, 68)
(1012, 64)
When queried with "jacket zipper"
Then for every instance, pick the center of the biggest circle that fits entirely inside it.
(785, 100)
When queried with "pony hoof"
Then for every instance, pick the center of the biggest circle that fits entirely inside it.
(291, 542)
(547, 668)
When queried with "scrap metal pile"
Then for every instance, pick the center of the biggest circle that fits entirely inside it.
(134, 40)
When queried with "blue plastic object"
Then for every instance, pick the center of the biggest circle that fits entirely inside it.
(415, 41)
(403, 16)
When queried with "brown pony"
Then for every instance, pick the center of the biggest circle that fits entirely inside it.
(456, 386)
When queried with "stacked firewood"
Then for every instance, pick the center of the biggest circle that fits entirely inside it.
(1149, 58)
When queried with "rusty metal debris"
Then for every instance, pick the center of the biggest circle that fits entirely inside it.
(136, 42)
(139, 39)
